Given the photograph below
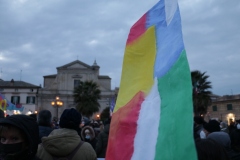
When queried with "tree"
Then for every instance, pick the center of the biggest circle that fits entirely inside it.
(201, 92)
(86, 95)
(105, 115)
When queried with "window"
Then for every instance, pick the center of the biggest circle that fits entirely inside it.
(30, 100)
(15, 99)
(214, 108)
(31, 90)
(1, 89)
(229, 107)
(16, 90)
(76, 83)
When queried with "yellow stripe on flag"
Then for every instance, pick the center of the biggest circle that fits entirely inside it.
(138, 67)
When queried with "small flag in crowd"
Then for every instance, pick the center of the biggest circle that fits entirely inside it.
(112, 105)
(3, 102)
(7, 105)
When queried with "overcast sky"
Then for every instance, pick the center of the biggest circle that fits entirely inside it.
(36, 36)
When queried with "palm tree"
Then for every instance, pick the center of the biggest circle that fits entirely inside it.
(86, 95)
(201, 92)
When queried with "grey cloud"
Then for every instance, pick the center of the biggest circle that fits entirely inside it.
(38, 36)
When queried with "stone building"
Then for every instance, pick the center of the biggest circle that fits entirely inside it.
(224, 108)
(62, 85)
(21, 94)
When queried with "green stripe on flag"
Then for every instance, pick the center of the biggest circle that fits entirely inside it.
(175, 139)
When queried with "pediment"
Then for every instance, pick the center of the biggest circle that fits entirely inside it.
(75, 65)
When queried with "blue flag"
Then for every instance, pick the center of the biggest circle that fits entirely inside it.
(112, 105)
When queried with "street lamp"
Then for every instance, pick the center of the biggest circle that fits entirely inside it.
(57, 103)
(98, 116)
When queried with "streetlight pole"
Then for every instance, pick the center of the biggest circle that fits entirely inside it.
(57, 103)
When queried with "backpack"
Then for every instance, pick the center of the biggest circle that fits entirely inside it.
(71, 155)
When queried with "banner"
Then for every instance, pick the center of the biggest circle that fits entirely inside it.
(153, 116)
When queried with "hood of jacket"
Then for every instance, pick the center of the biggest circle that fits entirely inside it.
(91, 131)
(61, 142)
(222, 138)
(30, 128)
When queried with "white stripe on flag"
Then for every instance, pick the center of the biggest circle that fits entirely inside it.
(147, 130)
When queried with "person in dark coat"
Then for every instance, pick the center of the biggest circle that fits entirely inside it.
(65, 143)
(1, 113)
(223, 139)
(88, 135)
(44, 124)
(235, 137)
(102, 140)
(208, 149)
(212, 130)
(19, 138)
(34, 116)
(211, 126)
(198, 126)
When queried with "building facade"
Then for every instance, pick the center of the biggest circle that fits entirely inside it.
(62, 85)
(21, 94)
(224, 108)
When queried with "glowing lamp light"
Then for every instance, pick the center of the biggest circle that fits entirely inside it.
(57, 103)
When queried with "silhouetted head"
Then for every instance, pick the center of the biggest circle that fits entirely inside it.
(44, 118)
(70, 119)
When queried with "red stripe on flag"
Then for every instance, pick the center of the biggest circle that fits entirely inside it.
(137, 29)
(123, 129)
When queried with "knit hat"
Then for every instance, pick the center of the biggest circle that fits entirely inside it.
(70, 119)
(44, 118)
(212, 126)
(198, 120)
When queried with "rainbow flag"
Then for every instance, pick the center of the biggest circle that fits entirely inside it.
(153, 116)
(7, 105)
(3, 102)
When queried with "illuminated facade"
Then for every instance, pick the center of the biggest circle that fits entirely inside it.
(21, 94)
(224, 108)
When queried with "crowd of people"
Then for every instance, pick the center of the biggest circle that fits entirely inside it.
(74, 137)
(217, 140)
(43, 138)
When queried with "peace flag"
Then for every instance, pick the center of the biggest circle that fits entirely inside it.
(3, 102)
(7, 105)
(153, 116)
